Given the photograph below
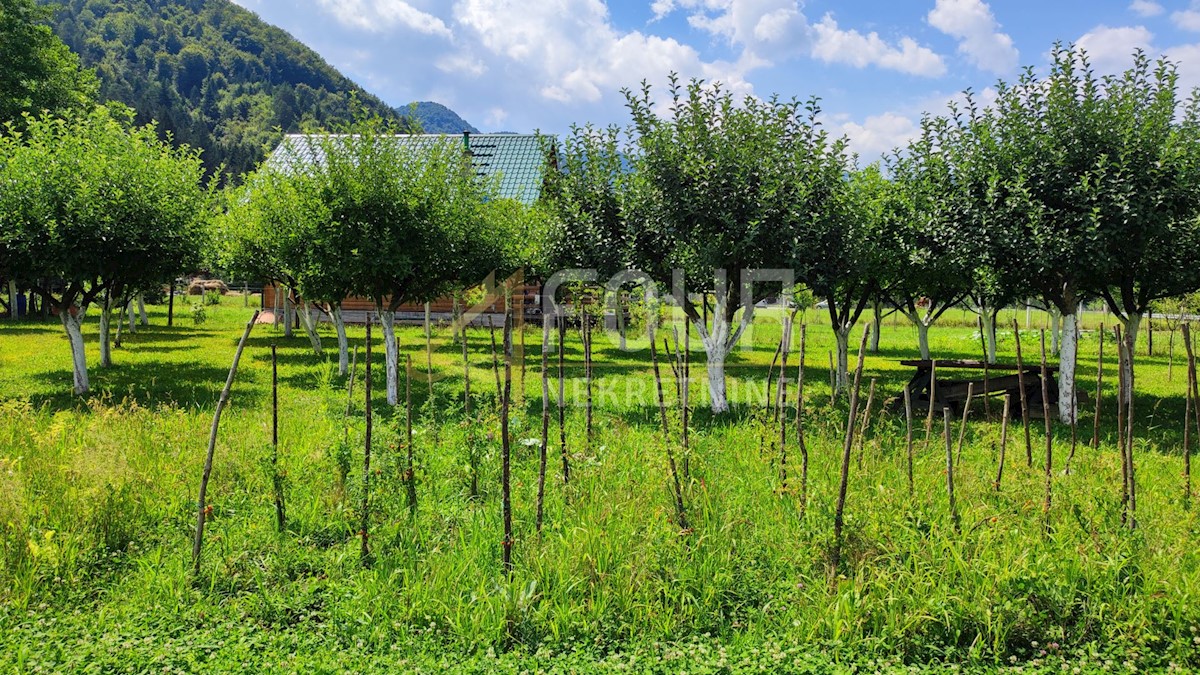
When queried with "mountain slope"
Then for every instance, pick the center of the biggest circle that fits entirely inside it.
(212, 74)
(436, 118)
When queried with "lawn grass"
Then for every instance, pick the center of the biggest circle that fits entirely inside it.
(97, 510)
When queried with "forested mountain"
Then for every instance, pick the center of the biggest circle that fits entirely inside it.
(436, 118)
(212, 74)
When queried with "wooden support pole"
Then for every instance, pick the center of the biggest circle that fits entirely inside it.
(202, 506)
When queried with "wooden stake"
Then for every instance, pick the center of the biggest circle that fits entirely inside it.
(987, 390)
(1074, 402)
(866, 423)
(1024, 395)
(1129, 384)
(350, 384)
(962, 428)
(1049, 436)
(832, 381)
(505, 443)
(562, 403)
(1121, 421)
(681, 515)
(364, 556)
(781, 399)
(684, 401)
(212, 446)
(908, 437)
(1099, 391)
(950, 473)
(587, 373)
(466, 372)
(1194, 399)
(495, 357)
(1003, 440)
(410, 475)
(932, 402)
(847, 446)
(800, 422)
(276, 477)
(545, 446)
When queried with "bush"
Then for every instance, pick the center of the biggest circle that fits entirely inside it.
(199, 314)
(212, 298)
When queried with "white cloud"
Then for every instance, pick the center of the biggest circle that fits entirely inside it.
(461, 63)
(1111, 49)
(769, 31)
(1188, 19)
(877, 134)
(834, 45)
(1188, 59)
(971, 22)
(496, 117)
(1145, 8)
(570, 51)
(379, 15)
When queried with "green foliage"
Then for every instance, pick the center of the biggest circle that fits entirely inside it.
(199, 314)
(211, 74)
(99, 205)
(212, 298)
(40, 73)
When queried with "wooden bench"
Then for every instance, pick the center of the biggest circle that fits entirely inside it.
(952, 392)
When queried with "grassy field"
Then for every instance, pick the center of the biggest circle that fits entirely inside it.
(97, 509)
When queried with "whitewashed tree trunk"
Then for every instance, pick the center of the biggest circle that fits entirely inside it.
(1066, 368)
(1028, 315)
(310, 326)
(842, 335)
(74, 327)
(12, 299)
(989, 331)
(716, 379)
(105, 323)
(131, 316)
(387, 320)
(922, 332)
(339, 325)
(876, 324)
(288, 308)
(141, 303)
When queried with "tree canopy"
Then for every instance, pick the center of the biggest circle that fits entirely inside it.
(40, 73)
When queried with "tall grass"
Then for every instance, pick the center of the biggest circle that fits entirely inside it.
(97, 512)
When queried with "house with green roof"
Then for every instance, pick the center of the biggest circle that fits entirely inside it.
(515, 160)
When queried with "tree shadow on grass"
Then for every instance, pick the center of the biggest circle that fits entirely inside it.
(150, 384)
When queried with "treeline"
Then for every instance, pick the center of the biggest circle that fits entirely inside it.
(211, 74)
(1069, 187)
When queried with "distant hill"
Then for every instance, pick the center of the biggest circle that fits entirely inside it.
(213, 74)
(436, 118)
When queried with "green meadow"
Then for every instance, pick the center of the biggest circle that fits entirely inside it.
(98, 508)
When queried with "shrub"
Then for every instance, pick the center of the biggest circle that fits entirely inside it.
(199, 314)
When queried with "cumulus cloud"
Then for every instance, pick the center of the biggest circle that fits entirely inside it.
(1145, 8)
(979, 38)
(834, 45)
(1188, 19)
(1111, 49)
(878, 134)
(380, 15)
(576, 54)
(770, 31)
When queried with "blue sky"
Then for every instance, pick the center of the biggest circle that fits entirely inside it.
(521, 65)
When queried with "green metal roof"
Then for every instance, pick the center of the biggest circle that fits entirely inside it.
(516, 158)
